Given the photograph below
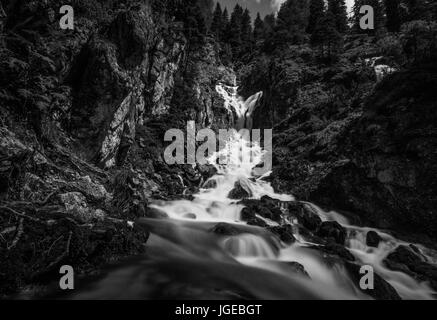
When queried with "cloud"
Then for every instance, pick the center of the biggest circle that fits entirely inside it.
(276, 4)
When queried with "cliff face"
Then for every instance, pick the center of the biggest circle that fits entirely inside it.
(82, 133)
(128, 76)
(349, 141)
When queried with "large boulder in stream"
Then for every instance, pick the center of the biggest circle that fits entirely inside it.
(240, 191)
(263, 209)
(382, 289)
(373, 239)
(284, 233)
(332, 230)
(306, 217)
(409, 260)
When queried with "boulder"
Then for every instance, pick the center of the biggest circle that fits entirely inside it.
(225, 229)
(373, 239)
(332, 230)
(76, 205)
(306, 217)
(297, 269)
(155, 213)
(239, 192)
(382, 289)
(285, 233)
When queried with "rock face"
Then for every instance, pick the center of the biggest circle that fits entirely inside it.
(347, 142)
(81, 143)
(373, 239)
(130, 75)
(332, 230)
(240, 191)
(382, 289)
(408, 259)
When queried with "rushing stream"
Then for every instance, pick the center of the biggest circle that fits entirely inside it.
(185, 260)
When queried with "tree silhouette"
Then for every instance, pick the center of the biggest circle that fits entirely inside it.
(317, 11)
(217, 21)
(393, 14)
(258, 30)
(339, 11)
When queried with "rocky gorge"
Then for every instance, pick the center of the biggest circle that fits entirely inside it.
(84, 182)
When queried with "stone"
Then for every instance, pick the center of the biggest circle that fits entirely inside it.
(297, 268)
(155, 213)
(332, 230)
(373, 239)
(239, 192)
(285, 233)
(225, 229)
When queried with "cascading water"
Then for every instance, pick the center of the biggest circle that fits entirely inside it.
(186, 260)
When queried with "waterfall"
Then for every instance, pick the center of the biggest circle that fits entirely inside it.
(184, 253)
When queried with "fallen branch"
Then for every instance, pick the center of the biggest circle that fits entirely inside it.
(63, 255)
(18, 235)
(19, 214)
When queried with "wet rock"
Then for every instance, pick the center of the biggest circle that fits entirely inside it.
(336, 249)
(270, 201)
(239, 192)
(154, 213)
(257, 222)
(382, 289)
(210, 184)
(373, 239)
(190, 216)
(404, 255)
(92, 189)
(76, 205)
(405, 259)
(297, 268)
(285, 233)
(332, 230)
(248, 215)
(257, 207)
(225, 229)
(305, 216)
(207, 171)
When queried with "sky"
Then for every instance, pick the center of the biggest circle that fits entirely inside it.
(262, 6)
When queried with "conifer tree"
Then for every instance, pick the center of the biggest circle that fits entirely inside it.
(317, 9)
(326, 36)
(393, 15)
(291, 22)
(414, 10)
(217, 23)
(235, 30)
(225, 26)
(339, 12)
(269, 24)
(258, 30)
(246, 30)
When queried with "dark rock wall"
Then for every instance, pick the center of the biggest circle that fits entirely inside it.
(347, 141)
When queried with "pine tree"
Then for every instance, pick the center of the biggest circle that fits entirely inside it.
(246, 30)
(393, 14)
(414, 10)
(269, 24)
(258, 30)
(225, 26)
(235, 30)
(317, 9)
(326, 36)
(339, 11)
(291, 22)
(217, 22)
